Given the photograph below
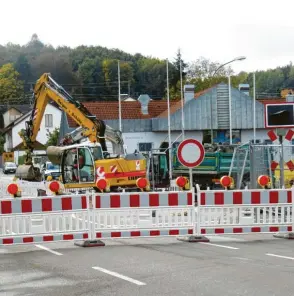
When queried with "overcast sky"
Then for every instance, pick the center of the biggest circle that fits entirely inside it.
(220, 30)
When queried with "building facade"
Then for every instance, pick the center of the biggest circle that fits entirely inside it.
(145, 122)
(13, 142)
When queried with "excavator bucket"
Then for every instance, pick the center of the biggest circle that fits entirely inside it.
(28, 172)
(54, 154)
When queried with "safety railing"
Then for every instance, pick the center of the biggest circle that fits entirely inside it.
(92, 216)
(244, 211)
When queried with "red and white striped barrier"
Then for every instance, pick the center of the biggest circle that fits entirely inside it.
(143, 200)
(42, 205)
(91, 217)
(28, 189)
(243, 212)
(245, 197)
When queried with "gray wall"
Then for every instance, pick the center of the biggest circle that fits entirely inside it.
(128, 125)
(198, 113)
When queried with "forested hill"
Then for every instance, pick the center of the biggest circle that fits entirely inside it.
(91, 72)
(88, 72)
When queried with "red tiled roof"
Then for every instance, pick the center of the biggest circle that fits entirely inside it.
(130, 110)
(271, 100)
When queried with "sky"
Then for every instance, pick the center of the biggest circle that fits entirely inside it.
(220, 30)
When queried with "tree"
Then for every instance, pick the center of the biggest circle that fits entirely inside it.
(2, 142)
(204, 68)
(53, 138)
(175, 77)
(23, 67)
(10, 86)
(151, 77)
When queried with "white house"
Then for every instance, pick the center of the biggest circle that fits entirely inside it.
(50, 121)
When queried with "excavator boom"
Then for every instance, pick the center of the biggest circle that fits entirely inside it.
(45, 90)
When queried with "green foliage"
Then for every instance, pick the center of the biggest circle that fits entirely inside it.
(91, 72)
(2, 142)
(10, 86)
(53, 138)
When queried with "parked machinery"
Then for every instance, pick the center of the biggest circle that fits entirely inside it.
(84, 163)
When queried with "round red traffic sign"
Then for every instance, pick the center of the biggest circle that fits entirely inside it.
(190, 153)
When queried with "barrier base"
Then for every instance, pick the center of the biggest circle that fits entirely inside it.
(194, 239)
(289, 235)
(90, 243)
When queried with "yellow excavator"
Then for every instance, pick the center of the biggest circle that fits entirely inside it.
(82, 163)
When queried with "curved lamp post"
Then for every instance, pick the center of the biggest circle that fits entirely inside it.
(241, 58)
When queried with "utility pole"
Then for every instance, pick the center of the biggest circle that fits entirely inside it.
(129, 88)
(182, 98)
(119, 97)
(168, 125)
(254, 110)
(230, 111)
(282, 171)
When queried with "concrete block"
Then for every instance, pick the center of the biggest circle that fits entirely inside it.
(289, 235)
(194, 239)
(89, 243)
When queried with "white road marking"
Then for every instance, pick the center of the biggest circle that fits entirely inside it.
(48, 250)
(219, 238)
(279, 256)
(241, 258)
(221, 246)
(120, 276)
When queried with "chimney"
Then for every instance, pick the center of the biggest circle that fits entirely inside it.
(290, 98)
(189, 92)
(144, 100)
(244, 88)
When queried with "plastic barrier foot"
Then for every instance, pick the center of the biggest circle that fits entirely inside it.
(289, 235)
(90, 243)
(194, 239)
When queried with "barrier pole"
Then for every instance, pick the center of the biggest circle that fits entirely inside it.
(193, 211)
(191, 178)
(89, 197)
(198, 209)
(92, 213)
(292, 195)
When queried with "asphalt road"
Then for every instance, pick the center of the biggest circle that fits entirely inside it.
(227, 266)
(243, 265)
(5, 177)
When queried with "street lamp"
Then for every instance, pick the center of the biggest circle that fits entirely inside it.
(241, 58)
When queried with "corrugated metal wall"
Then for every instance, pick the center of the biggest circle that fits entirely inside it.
(242, 111)
(223, 113)
(128, 125)
(131, 125)
(198, 112)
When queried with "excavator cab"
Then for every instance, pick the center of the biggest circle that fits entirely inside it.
(77, 162)
(157, 169)
(82, 164)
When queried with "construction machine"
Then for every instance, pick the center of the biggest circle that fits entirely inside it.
(82, 163)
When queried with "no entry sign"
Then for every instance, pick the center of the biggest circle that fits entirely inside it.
(190, 153)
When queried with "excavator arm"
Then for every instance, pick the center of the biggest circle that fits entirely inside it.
(46, 89)
(111, 135)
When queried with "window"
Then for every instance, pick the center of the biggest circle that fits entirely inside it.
(86, 165)
(145, 147)
(48, 120)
